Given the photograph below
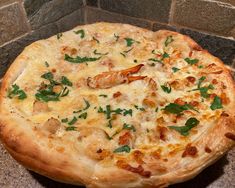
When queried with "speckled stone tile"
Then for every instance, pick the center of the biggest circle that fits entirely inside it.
(13, 175)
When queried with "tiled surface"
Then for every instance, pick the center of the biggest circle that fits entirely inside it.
(96, 15)
(52, 11)
(12, 22)
(219, 47)
(204, 15)
(157, 10)
(13, 175)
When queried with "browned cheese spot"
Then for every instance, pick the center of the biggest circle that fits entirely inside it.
(207, 149)
(138, 156)
(139, 170)
(230, 136)
(190, 151)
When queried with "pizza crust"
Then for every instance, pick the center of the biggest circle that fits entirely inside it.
(21, 144)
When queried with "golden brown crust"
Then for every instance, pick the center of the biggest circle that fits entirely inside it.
(191, 160)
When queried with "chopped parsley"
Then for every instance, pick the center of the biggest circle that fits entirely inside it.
(83, 115)
(80, 32)
(175, 69)
(165, 55)
(129, 127)
(46, 64)
(121, 149)
(71, 128)
(130, 41)
(116, 36)
(15, 91)
(98, 53)
(110, 124)
(66, 81)
(191, 61)
(203, 90)
(155, 60)
(108, 112)
(166, 88)
(87, 104)
(79, 59)
(46, 92)
(184, 130)
(65, 120)
(216, 104)
(178, 109)
(96, 40)
(59, 35)
(168, 40)
(103, 95)
(73, 121)
(139, 108)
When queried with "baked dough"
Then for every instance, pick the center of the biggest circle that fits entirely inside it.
(114, 105)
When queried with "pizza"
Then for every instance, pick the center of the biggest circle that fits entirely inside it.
(114, 105)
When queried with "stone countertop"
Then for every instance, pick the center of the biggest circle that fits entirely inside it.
(13, 175)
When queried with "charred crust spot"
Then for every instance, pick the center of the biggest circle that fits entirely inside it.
(124, 139)
(139, 170)
(117, 94)
(179, 101)
(197, 47)
(138, 156)
(99, 151)
(53, 70)
(191, 79)
(214, 81)
(190, 151)
(194, 103)
(224, 114)
(230, 136)
(207, 149)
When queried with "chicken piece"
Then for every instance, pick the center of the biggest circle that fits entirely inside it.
(39, 106)
(52, 125)
(113, 78)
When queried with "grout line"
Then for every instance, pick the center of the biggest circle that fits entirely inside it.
(172, 11)
(85, 14)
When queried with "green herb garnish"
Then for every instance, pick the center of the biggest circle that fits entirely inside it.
(46, 64)
(96, 40)
(139, 108)
(15, 91)
(191, 61)
(110, 123)
(64, 92)
(87, 104)
(71, 128)
(108, 112)
(203, 90)
(66, 81)
(155, 60)
(184, 130)
(116, 36)
(48, 76)
(59, 35)
(79, 59)
(103, 95)
(65, 120)
(81, 32)
(168, 40)
(130, 41)
(166, 88)
(178, 109)
(121, 149)
(74, 120)
(216, 104)
(175, 69)
(83, 115)
(129, 127)
(97, 53)
(165, 55)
